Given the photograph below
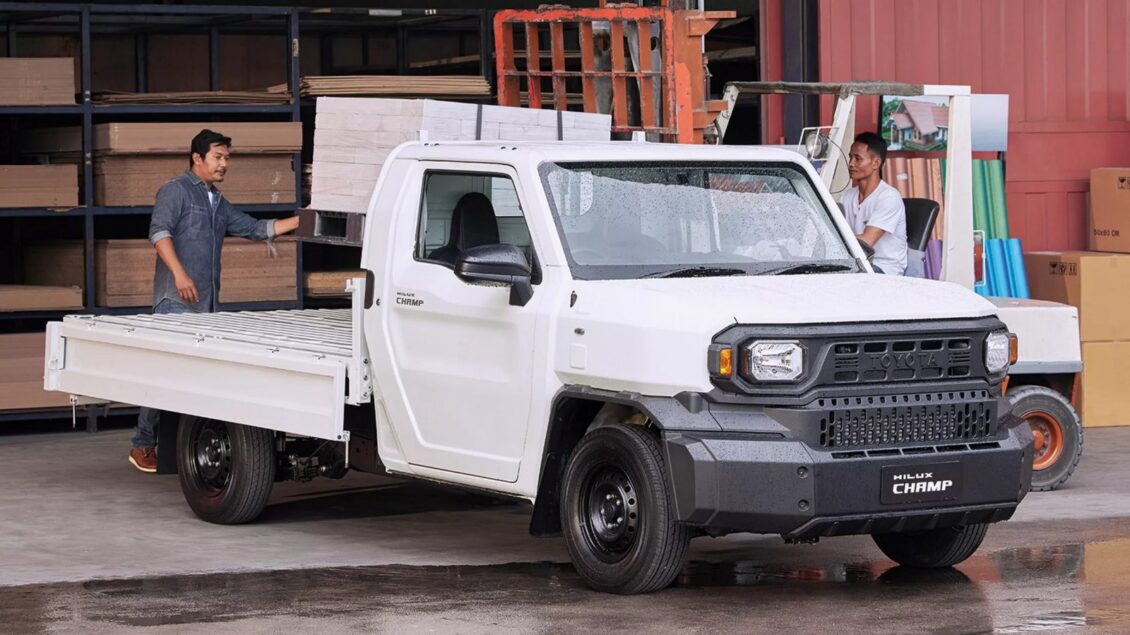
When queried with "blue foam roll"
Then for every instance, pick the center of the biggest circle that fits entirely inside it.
(998, 268)
(1017, 276)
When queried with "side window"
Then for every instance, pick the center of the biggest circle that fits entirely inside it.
(464, 210)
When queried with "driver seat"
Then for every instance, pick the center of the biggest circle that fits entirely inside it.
(473, 223)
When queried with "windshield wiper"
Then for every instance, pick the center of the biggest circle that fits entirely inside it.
(806, 268)
(697, 272)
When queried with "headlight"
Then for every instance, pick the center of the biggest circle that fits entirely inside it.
(773, 360)
(998, 351)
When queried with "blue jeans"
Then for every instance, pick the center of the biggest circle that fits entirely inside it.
(145, 434)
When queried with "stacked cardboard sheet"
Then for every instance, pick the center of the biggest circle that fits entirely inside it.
(39, 186)
(124, 272)
(37, 81)
(133, 160)
(195, 97)
(353, 136)
(21, 374)
(260, 137)
(446, 86)
(132, 179)
(27, 297)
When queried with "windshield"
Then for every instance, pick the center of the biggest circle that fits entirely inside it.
(621, 221)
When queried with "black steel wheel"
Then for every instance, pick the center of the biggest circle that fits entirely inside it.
(932, 548)
(617, 514)
(1057, 431)
(226, 470)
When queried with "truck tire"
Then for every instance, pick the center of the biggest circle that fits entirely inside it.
(1058, 433)
(226, 470)
(617, 514)
(932, 548)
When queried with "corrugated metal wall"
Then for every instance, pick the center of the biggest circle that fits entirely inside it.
(1065, 65)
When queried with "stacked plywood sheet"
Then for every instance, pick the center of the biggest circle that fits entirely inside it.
(21, 374)
(446, 86)
(330, 284)
(133, 179)
(37, 81)
(124, 272)
(353, 136)
(39, 186)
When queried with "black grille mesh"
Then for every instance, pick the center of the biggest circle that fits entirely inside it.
(901, 419)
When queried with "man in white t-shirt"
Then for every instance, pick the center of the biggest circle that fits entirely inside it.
(874, 209)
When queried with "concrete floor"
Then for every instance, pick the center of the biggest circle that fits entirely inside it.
(89, 544)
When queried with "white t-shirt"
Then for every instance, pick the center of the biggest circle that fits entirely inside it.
(883, 209)
(212, 196)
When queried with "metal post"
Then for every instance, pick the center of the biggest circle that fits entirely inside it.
(214, 58)
(87, 159)
(11, 40)
(401, 50)
(799, 37)
(295, 115)
(140, 61)
(486, 47)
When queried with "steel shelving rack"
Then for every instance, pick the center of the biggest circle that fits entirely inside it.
(54, 18)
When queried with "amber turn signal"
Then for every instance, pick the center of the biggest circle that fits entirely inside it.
(726, 362)
(1013, 348)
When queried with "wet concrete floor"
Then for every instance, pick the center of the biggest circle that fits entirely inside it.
(120, 552)
(1047, 588)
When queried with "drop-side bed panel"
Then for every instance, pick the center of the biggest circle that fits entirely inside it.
(282, 370)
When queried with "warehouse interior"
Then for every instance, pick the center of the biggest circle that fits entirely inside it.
(1005, 128)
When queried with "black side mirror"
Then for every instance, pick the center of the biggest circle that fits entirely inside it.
(499, 264)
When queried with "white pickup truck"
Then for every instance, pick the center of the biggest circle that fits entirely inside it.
(648, 342)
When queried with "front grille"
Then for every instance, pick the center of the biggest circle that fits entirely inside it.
(917, 359)
(855, 422)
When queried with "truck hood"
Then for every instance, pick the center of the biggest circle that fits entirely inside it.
(794, 299)
(651, 336)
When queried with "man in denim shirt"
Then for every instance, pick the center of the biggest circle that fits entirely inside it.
(190, 219)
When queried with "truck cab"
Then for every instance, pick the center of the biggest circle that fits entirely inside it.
(648, 342)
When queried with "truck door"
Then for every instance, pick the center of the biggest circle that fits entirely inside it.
(462, 353)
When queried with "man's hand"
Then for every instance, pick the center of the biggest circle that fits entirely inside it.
(186, 288)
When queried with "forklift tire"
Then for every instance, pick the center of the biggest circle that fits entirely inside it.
(617, 514)
(226, 470)
(1057, 430)
(932, 548)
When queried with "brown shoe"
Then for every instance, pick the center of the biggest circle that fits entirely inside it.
(144, 459)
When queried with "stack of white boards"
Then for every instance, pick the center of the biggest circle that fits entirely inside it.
(354, 135)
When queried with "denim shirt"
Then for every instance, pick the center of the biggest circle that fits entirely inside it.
(184, 213)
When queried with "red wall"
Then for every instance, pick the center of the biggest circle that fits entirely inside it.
(1065, 65)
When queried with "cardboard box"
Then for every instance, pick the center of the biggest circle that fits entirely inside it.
(1102, 395)
(26, 297)
(39, 186)
(21, 374)
(133, 179)
(1095, 283)
(124, 272)
(37, 81)
(1109, 226)
(175, 138)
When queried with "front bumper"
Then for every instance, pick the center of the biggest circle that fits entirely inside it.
(767, 484)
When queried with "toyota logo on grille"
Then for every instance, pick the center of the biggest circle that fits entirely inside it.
(887, 361)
